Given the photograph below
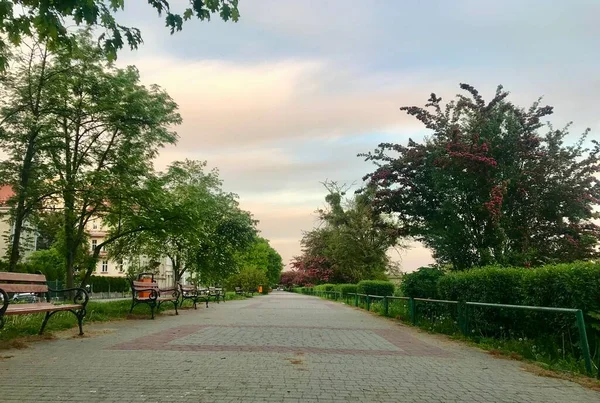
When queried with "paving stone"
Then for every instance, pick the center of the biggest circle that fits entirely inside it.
(277, 348)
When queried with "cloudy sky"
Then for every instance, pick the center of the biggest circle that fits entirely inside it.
(287, 97)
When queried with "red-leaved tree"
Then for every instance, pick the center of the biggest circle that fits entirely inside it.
(491, 184)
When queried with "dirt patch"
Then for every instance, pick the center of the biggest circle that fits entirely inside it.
(23, 342)
(295, 361)
(582, 380)
(90, 333)
(5, 357)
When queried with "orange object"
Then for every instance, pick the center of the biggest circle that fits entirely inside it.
(260, 289)
(145, 294)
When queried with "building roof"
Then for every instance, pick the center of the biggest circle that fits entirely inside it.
(6, 193)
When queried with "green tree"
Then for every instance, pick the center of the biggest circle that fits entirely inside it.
(491, 184)
(352, 242)
(262, 256)
(45, 21)
(201, 228)
(248, 279)
(108, 128)
(26, 113)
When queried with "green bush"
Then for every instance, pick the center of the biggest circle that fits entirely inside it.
(422, 283)
(104, 284)
(325, 287)
(375, 287)
(574, 285)
(346, 289)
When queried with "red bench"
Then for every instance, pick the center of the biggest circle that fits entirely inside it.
(15, 283)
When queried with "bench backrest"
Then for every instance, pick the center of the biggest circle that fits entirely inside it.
(140, 285)
(23, 282)
(187, 287)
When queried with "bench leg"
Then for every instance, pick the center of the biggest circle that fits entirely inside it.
(175, 304)
(152, 310)
(195, 302)
(132, 305)
(1, 322)
(206, 300)
(46, 317)
(80, 315)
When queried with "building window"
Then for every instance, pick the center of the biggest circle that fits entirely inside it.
(95, 226)
(121, 269)
(104, 248)
(94, 243)
(105, 266)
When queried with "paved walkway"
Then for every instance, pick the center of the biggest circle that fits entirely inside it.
(277, 348)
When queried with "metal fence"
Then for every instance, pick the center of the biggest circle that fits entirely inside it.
(449, 316)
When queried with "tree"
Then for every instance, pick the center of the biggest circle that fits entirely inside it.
(311, 270)
(491, 184)
(352, 242)
(107, 129)
(248, 279)
(200, 227)
(262, 256)
(45, 21)
(288, 279)
(26, 112)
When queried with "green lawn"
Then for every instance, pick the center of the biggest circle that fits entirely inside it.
(28, 326)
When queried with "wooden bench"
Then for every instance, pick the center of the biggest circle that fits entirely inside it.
(193, 293)
(15, 283)
(239, 291)
(216, 294)
(144, 292)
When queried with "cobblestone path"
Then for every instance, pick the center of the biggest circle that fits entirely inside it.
(277, 348)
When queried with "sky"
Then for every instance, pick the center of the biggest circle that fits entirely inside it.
(287, 97)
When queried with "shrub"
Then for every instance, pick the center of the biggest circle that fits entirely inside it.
(375, 287)
(325, 287)
(104, 284)
(422, 283)
(346, 289)
(499, 285)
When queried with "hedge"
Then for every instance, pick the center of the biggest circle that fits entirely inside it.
(573, 285)
(101, 284)
(325, 287)
(375, 287)
(346, 289)
(421, 283)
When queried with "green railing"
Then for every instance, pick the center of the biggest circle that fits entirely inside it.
(463, 313)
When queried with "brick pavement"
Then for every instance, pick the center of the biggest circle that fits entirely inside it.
(277, 348)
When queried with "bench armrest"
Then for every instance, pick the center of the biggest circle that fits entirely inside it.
(81, 296)
(5, 302)
(153, 292)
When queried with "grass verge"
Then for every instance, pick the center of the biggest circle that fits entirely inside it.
(21, 329)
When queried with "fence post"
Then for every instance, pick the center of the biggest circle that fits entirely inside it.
(385, 306)
(412, 310)
(461, 319)
(368, 303)
(356, 299)
(585, 347)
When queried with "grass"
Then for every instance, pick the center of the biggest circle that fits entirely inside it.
(21, 329)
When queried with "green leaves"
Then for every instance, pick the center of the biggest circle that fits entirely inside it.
(490, 184)
(44, 21)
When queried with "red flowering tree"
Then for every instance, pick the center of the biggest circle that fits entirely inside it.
(287, 279)
(491, 184)
(311, 270)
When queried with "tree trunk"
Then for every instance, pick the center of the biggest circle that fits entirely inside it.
(24, 177)
(91, 265)
(20, 209)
